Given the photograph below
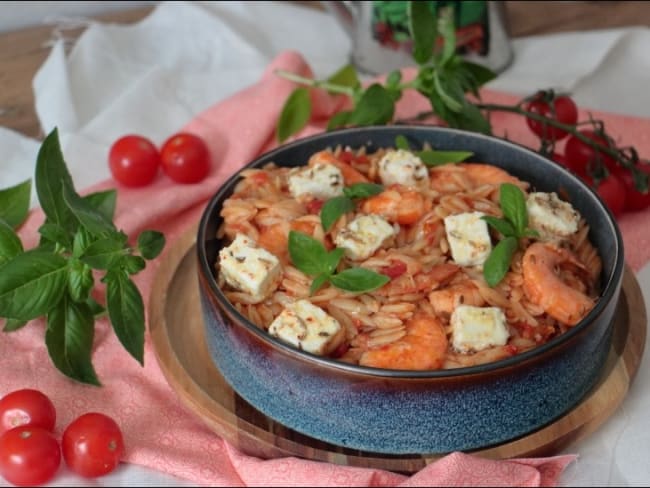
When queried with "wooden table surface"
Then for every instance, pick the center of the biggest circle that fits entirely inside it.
(23, 51)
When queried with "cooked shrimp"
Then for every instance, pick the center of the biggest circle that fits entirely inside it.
(544, 287)
(397, 204)
(446, 300)
(486, 174)
(275, 238)
(424, 347)
(350, 175)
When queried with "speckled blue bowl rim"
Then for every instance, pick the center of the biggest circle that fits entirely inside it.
(608, 288)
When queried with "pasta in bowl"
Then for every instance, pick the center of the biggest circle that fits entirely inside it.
(361, 292)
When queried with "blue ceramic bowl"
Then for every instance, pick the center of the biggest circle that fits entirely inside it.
(415, 412)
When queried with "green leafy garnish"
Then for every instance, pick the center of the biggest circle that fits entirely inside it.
(311, 257)
(55, 279)
(432, 157)
(337, 206)
(513, 226)
(295, 114)
(14, 203)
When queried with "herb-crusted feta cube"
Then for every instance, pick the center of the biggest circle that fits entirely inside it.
(469, 238)
(249, 268)
(307, 327)
(363, 236)
(477, 328)
(404, 168)
(321, 180)
(551, 217)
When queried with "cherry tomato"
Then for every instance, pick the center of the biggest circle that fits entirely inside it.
(581, 156)
(612, 191)
(26, 407)
(29, 456)
(134, 160)
(562, 109)
(634, 199)
(185, 158)
(395, 269)
(92, 445)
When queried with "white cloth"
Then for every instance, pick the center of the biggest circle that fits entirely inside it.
(151, 77)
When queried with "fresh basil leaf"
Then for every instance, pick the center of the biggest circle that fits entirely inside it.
(359, 280)
(480, 74)
(513, 205)
(104, 202)
(80, 280)
(69, 340)
(498, 262)
(376, 106)
(393, 78)
(447, 29)
(150, 243)
(453, 103)
(104, 253)
(307, 254)
(10, 244)
(422, 26)
(502, 225)
(362, 190)
(333, 209)
(346, 76)
(14, 203)
(82, 239)
(402, 143)
(133, 264)
(437, 158)
(31, 284)
(333, 260)
(55, 233)
(126, 311)
(93, 220)
(12, 325)
(318, 282)
(530, 233)
(95, 307)
(51, 177)
(339, 119)
(295, 114)
(470, 118)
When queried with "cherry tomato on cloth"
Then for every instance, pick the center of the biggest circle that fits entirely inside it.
(634, 199)
(185, 158)
(26, 407)
(134, 160)
(92, 445)
(580, 156)
(562, 109)
(612, 191)
(29, 456)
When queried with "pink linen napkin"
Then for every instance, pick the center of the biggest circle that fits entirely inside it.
(168, 437)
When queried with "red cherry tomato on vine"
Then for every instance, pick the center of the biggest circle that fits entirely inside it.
(29, 456)
(581, 156)
(634, 199)
(134, 160)
(612, 191)
(185, 158)
(92, 445)
(26, 407)
(562, 109)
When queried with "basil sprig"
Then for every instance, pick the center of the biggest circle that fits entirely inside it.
(56, 278)
(337, 206)
(311, 257)
(432, 157)
(513, 226)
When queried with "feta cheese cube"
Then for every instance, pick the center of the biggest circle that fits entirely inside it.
(477, 328)
(551, 217)
(404, 168)
(307, 327)
(364, 235)
(469, 238)
(249, 268)
(321, 180)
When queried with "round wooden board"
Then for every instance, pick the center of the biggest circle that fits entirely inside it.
(176, 329)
